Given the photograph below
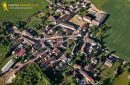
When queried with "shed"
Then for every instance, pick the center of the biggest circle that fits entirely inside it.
(8, 66)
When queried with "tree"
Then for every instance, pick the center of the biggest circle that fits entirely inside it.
(21, 24)
(83, 11)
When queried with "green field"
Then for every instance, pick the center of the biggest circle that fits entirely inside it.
(3, 60)
(3, 52)
(14, 15)
(98, 3)
(119, 35)
(122, 79)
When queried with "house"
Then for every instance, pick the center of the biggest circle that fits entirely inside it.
(56, 51)
(62, 66)
(88, 47)
(10, 29)
(47, 28)
(92, 11)
(94, 60)
(100, 17)
(65, 59)
(69, 16)
(83, 48)
(79, 17)
(47, 62)
(76, 48)
(87, 19)
(62, 18)
(90, 18)
(113, 58)
(95, 23)
(42, 53)
(80, 82)
(16, 44)
(110, 60)
(85, 3)
(21, 52)
(28, 41)
(7, 66)
(66, 25)
(84, 27)
(91, 41)
(88, 78)
(37, 46)
(53, 19)
(32, 32)
(89, 67)
(67, 12)
(51, 31)
(63, 10)
(60, 10)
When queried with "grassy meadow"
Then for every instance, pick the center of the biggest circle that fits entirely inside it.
(119, 35)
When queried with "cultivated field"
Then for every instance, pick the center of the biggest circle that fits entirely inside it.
(14, 15)
(119, 20)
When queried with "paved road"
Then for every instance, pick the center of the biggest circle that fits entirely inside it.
(24, 33)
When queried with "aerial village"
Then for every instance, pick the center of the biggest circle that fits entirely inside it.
(59, 44)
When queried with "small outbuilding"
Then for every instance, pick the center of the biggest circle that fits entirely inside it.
(7, 66)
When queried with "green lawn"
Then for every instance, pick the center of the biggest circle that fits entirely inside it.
(2, 52)
(119, 20)
(98, 3)
(14, 15)
(122, 79)
(109, 72)
(35, 21)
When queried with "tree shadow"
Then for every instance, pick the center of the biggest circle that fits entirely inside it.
(103, 37)
(107, 81)
(55, 77)
(111, 52)
(102, 42)
(21, 24)
(108, 15)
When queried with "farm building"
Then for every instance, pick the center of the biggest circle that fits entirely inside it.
(7, 66)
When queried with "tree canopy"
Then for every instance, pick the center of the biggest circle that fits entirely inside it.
(31, 75)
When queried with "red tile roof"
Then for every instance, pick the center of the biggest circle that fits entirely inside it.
(51, 18)
(21, 52)
(57, 51)
(88, 78)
